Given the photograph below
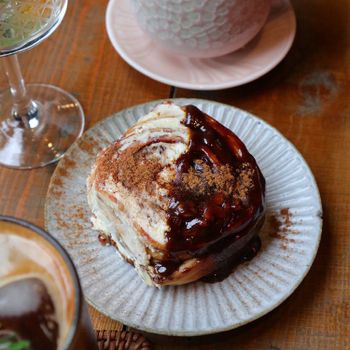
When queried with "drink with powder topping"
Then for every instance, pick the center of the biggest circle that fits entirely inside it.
(41, 302)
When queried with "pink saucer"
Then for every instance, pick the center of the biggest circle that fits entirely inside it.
(257, 58)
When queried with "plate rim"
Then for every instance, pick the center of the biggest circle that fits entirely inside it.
(194, 86)
(255, 316)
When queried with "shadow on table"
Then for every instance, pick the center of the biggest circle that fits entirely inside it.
(309, 75)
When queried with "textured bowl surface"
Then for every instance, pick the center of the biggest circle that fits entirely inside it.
(204, 28)
(258, 57)
(290, 236)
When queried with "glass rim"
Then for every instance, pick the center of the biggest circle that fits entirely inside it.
(36, 39)
(78, 295)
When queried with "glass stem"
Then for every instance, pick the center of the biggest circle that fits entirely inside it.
(24, 109)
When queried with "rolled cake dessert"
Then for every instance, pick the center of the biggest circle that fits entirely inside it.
(179, 196)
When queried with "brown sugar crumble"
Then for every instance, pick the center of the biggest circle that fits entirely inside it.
(138, 173)
(202, 179)
(131, 167)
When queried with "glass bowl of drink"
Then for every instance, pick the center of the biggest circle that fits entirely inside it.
(41, 300)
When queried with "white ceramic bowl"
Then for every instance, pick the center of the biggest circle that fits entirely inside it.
(201, 28)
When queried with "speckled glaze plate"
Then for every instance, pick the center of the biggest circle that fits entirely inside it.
(290, 236)
(257, 58)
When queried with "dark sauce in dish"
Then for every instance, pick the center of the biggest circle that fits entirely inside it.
(226, 267)
(215, 222)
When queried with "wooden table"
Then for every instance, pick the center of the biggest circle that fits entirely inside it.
(306, 97)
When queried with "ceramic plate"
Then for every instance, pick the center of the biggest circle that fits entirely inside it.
(257, 58)
(290, 237)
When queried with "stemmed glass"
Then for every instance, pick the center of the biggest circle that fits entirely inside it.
(38, 122)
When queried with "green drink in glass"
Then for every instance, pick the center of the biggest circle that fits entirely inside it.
(38, 122)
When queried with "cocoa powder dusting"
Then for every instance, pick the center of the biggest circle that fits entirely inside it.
(287, 216)
(58, 182)
(201, 179)
(78, 213)
(131, 167)
(62, 172)
(275, 224)
(88, 144)
(66, 164)
(56, 194)
(138, 173)
(70, 163)
(280, 224)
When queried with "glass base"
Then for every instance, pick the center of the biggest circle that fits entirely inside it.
(59, 122)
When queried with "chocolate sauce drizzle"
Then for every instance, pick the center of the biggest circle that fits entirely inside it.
(214, 222)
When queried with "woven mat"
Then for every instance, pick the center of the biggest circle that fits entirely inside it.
(121, 340)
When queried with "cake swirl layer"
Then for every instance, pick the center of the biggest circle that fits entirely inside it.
(179, 196)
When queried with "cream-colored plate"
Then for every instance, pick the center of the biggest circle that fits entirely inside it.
(290, 237)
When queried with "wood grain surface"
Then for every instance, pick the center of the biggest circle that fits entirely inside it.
(306, 97)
